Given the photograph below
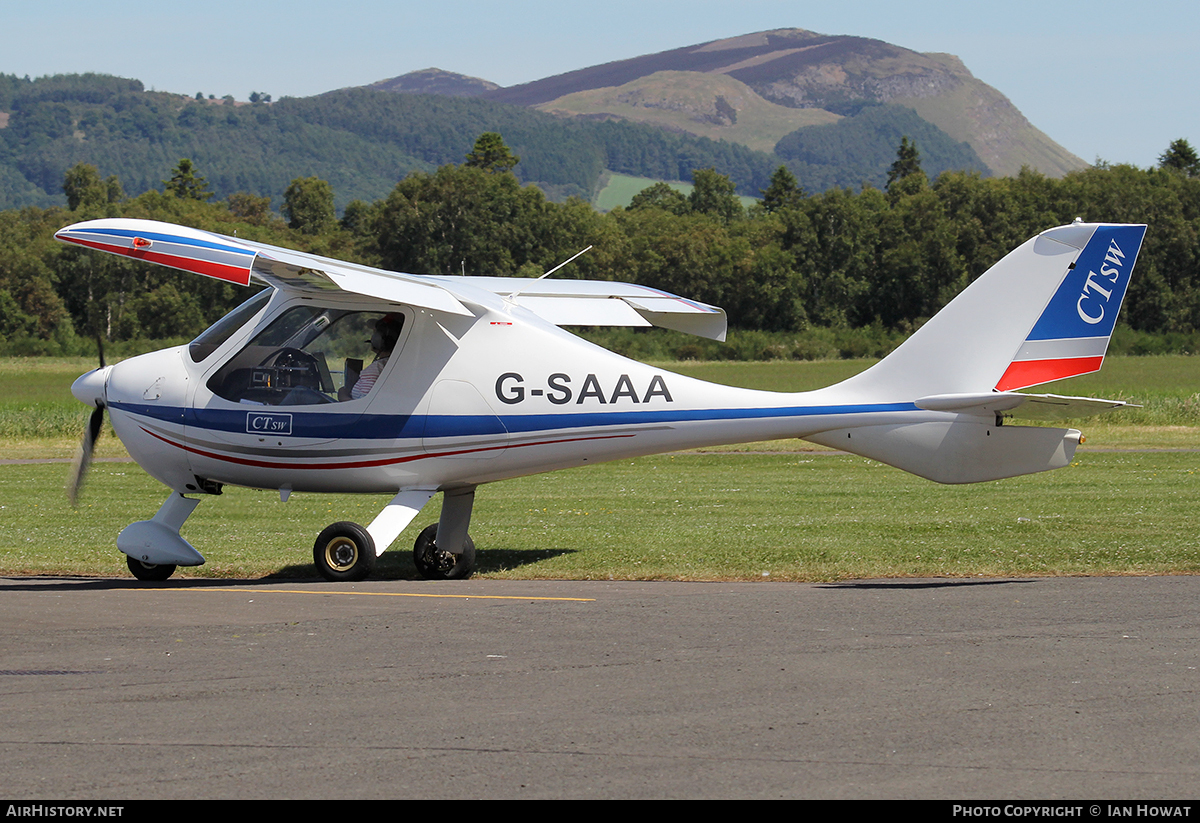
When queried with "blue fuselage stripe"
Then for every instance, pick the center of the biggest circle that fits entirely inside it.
(335, 425)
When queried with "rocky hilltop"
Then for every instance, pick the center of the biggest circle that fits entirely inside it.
(757, 88)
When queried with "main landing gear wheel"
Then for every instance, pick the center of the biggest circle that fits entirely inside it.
(344, 551)
(436, 564)
(150, 572)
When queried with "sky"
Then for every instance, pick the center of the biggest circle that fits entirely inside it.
(1111, 81)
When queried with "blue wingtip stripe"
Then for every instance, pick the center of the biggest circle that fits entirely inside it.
(167, 238)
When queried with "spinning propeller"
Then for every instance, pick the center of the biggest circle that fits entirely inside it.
(89, 389)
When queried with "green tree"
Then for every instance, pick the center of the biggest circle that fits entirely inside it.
(83, 186)
(308, 205)
(250, 207)
(1181, 157)
(461, 217)
(357, 216)
(783, 191)
(908, 162)
(491, 154)
(115, 193)
(13, 321)
(715, 194)
(186, 184)
(661, 196)
(161, 313)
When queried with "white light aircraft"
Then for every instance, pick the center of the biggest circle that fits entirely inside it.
(475, 382)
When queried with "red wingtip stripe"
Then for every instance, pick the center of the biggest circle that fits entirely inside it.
(1023, 373)
(219, 271)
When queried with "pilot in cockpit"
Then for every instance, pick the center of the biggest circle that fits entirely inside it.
(383, 341)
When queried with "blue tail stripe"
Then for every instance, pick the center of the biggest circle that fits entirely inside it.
(1087, 301)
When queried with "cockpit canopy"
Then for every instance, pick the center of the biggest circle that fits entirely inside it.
(308, 355)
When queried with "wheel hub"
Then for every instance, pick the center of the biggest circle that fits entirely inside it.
(439, 559)
(341, 553)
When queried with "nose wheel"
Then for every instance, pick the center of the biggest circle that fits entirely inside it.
(344, 551)
(439, 564)
(150, 572)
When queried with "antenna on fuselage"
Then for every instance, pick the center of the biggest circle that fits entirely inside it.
(552, 271)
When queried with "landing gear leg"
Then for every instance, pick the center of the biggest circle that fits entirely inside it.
(444, 550)
(154, 546)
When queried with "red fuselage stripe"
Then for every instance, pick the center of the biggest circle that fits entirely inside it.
(366, 464)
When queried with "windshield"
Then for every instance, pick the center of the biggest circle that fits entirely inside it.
(309, 355)
(216, 334)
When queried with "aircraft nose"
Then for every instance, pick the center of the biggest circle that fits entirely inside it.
(89, 389)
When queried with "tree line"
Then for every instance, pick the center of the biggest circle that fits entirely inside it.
(885, 258)
(361, 140)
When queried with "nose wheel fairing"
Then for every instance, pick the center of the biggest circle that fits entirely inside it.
(157, 541)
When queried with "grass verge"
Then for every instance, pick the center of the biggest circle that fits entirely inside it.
(681, 517)
(795, 512)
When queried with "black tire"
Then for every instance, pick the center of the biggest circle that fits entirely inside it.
(149, 572)
(344, 551)
(435, 564)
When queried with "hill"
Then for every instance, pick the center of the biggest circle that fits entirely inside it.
(436, 81)
(756, 87)
(831, 108)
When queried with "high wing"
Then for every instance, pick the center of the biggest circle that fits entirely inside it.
(561, 302)
(603, 303)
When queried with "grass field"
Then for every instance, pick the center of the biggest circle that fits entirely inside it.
(1129, 504)
(619, 190)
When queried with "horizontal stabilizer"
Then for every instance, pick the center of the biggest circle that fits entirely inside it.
(1025, 406)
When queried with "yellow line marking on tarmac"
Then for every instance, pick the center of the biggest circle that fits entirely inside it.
(376, 594)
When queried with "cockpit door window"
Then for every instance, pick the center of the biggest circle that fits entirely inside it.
(309, 355)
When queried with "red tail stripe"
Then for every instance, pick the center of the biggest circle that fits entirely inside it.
(1022, 373)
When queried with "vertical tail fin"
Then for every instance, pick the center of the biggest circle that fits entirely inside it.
(1044, 312)
(1072, 333)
